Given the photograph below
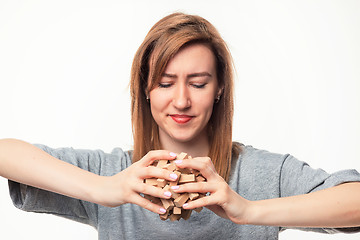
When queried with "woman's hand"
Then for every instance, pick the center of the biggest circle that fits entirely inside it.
(333, 207)
(126, 186)
(222, 200)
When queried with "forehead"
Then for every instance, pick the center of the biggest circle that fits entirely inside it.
(192, 58)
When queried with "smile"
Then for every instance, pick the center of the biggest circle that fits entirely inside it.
(181, 119)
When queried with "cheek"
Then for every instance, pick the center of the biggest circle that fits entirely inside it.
(158, 102)
(206, 106)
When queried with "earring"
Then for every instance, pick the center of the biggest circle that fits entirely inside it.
(147, 98)
(217, 99)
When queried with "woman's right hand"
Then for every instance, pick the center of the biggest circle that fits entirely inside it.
(126, 186)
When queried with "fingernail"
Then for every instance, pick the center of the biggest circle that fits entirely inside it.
(173, 176)
(175, 187)
(185, 205)
(162, 210)
(172, 154)
(178, 161)
(167, 194)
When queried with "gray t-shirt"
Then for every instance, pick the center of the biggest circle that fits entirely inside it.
(256, 175)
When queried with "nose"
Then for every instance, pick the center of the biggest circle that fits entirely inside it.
(181, 98)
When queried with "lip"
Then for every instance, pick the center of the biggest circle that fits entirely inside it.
(181, 118)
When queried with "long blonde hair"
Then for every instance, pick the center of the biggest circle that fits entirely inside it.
(162, 42)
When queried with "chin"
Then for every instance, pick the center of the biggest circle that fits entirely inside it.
(182, 138)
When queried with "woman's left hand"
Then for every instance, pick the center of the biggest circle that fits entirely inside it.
(222, 200)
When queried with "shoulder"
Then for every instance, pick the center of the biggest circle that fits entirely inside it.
(254, 156)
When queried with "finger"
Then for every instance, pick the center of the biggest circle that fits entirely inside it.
(201, 187)
(151, 156)
(200, 202)
(155, 172)
(203, 164)
(152, 191)
(143, 202)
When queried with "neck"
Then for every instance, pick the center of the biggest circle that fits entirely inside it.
(197, 147)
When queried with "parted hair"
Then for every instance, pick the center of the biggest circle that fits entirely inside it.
(161, 43)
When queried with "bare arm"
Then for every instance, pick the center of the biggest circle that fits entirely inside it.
(25, 163)
(334, 207)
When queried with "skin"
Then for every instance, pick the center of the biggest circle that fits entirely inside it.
(187, 89)
(333, 207)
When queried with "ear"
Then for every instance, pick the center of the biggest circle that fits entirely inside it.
(146, 91)
(219, 91)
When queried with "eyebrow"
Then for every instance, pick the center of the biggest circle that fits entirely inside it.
(192, 75)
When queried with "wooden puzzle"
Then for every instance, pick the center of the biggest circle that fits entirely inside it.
(173, 206)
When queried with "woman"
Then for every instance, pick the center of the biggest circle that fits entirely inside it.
(182, 93)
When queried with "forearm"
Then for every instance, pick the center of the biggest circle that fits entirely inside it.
(334, 207)
(25, 163)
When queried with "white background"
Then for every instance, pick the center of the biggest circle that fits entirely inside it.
(64, 73)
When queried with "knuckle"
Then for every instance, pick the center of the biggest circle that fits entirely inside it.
(205, 201)
(142, 188)
(150, 154)
(207, 160)
(147, 171)
(146, 204)
(165, 173)
(202, 187)
(202, 165)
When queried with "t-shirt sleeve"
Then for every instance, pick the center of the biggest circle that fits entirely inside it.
(298, 177)
(32, 199)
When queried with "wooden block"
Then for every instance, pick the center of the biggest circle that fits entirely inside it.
(150, 198)
(195, 172)
(151, 181)
(186, 178)
(161, 182)
(198, 209)
(167, 188)
(174, 217)
(171, 166)
(181, 200)
(167, 204)
(176, 210)
(164, 216)
(173, 205)
(157, 201)
(165, 166)
(193, 195)
(161, 163)
(173, 184)
(181, 156)
(174, 195)
(178, 177)
(200, 179)
(201, 195)
(185, 170)
(185, 213)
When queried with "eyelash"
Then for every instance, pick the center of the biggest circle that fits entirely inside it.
(199, 85)
(167, 85)
(164, 85)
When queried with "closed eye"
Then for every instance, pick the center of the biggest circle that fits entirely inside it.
(164, 85)
(199, 85)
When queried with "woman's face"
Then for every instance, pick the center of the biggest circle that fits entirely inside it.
(182, 102)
